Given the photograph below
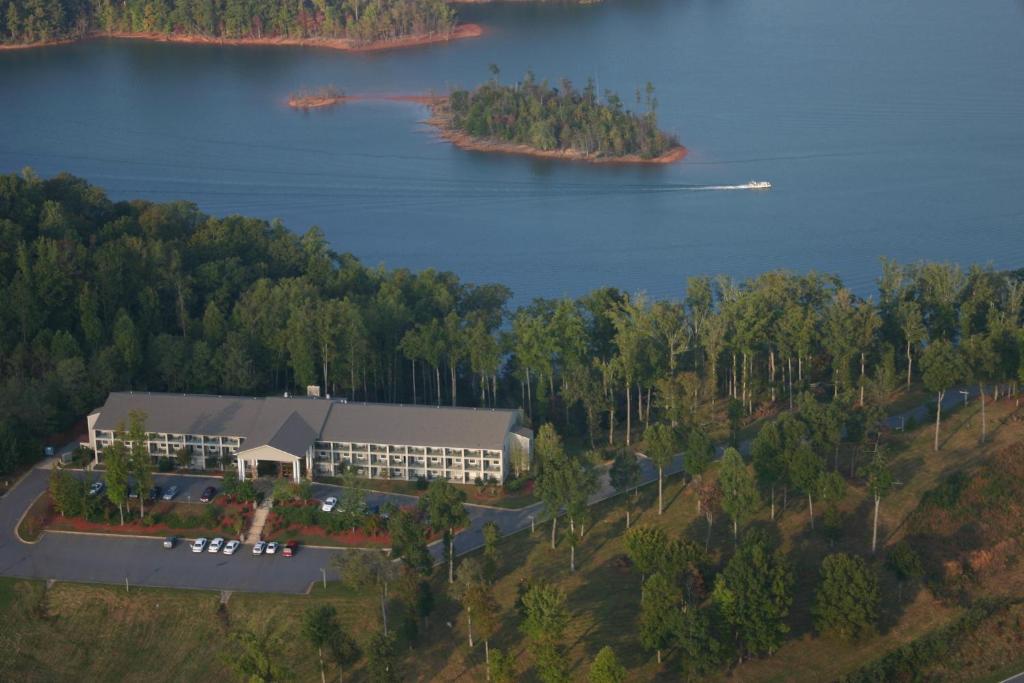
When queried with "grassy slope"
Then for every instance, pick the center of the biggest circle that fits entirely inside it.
(172, 635)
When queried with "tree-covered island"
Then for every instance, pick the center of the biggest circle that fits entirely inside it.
(535, 118)
(343, 24)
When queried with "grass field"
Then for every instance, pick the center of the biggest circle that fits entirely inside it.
(103, 634)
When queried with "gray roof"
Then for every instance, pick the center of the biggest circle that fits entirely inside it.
(418, 425)
(292, 424)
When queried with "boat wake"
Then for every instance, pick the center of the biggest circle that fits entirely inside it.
(752, 185)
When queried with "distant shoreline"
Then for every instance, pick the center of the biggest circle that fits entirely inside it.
(343, 44)
(440, 121)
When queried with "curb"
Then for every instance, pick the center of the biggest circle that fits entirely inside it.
(21, 519)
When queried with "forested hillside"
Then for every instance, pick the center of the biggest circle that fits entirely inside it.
(30, 21)
(98, 295)
(563, 118)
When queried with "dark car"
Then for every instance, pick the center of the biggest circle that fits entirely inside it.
(290, 548)
(133, 492)
(154, 494)
(208, 493)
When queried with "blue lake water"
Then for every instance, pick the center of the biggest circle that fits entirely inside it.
(887, 128)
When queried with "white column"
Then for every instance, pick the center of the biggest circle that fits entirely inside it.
(241, 469)
(295, 470)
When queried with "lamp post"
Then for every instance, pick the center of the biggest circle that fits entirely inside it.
(323, 572)
(964, 394)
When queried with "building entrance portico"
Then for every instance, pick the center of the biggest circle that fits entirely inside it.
(249, 459)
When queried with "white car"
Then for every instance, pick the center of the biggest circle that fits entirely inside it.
(231, 547)
(259, 547)
(216, 544)
(97, 488)
(329, 504)
(271, 548)
(198, 545)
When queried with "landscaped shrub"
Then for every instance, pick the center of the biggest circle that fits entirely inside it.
(165, 465)
(421, 483)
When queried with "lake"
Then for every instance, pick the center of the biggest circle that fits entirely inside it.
(886, 128)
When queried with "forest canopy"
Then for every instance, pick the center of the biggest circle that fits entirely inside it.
(560, 118)
(363, 21)
(97, 295)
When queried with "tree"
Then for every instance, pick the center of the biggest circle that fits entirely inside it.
(443, 504)
(660, 611)
(606, 668)
(409, 542)
(805, 469)
(847, 599)
(140, 464)
(912, 326)
(546, 618)
(905, 564)
(739, 492)
(831, 489)
(709, 501)
(65, 491)
(368, 570)
(645, 546)
(477, 597)
(115, 457)
(343, 651)
(382, 658)
(320, 626)
(662, 445)
(553, 478)
(253, 656)
(879, 481)
(502, 668)
(624, 474)
(754, 594)
(492, 535)
(767, 459)
(942, 367)
(699, 648)
(699, 451)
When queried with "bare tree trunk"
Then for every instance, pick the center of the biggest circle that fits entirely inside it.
(773, 502)
(572, 557)
(437, 378)
(707, 541)
(323, 674)
(789, 374)
(810, 508)
(414, 401)
(487, 658)
(861, 379)
(383, 607)
(554, 522)
(910, 364)
(469, 624)
(629, 412)
(874, 530)
(451, 556)
(660, 505)
(938, 417)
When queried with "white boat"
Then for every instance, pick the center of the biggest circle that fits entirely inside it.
(759, 185)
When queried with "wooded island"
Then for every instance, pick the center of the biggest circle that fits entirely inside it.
(537, 119)
(342, 24)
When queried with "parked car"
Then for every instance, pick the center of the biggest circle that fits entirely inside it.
(170, 493)
(259, 548)
(170, 541)
(133, 492)
(97, 488)
(199, 545)
(208, 493)
(290, 548)
(329, 504)
(216, 544)
(154, 493)
(271, 548)
(231, 547)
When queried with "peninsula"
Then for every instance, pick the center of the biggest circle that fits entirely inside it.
(533, 119)
(333, 24)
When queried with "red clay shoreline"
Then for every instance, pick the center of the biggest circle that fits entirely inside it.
(343, 44)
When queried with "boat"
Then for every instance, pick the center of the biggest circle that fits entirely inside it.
(759, 185)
